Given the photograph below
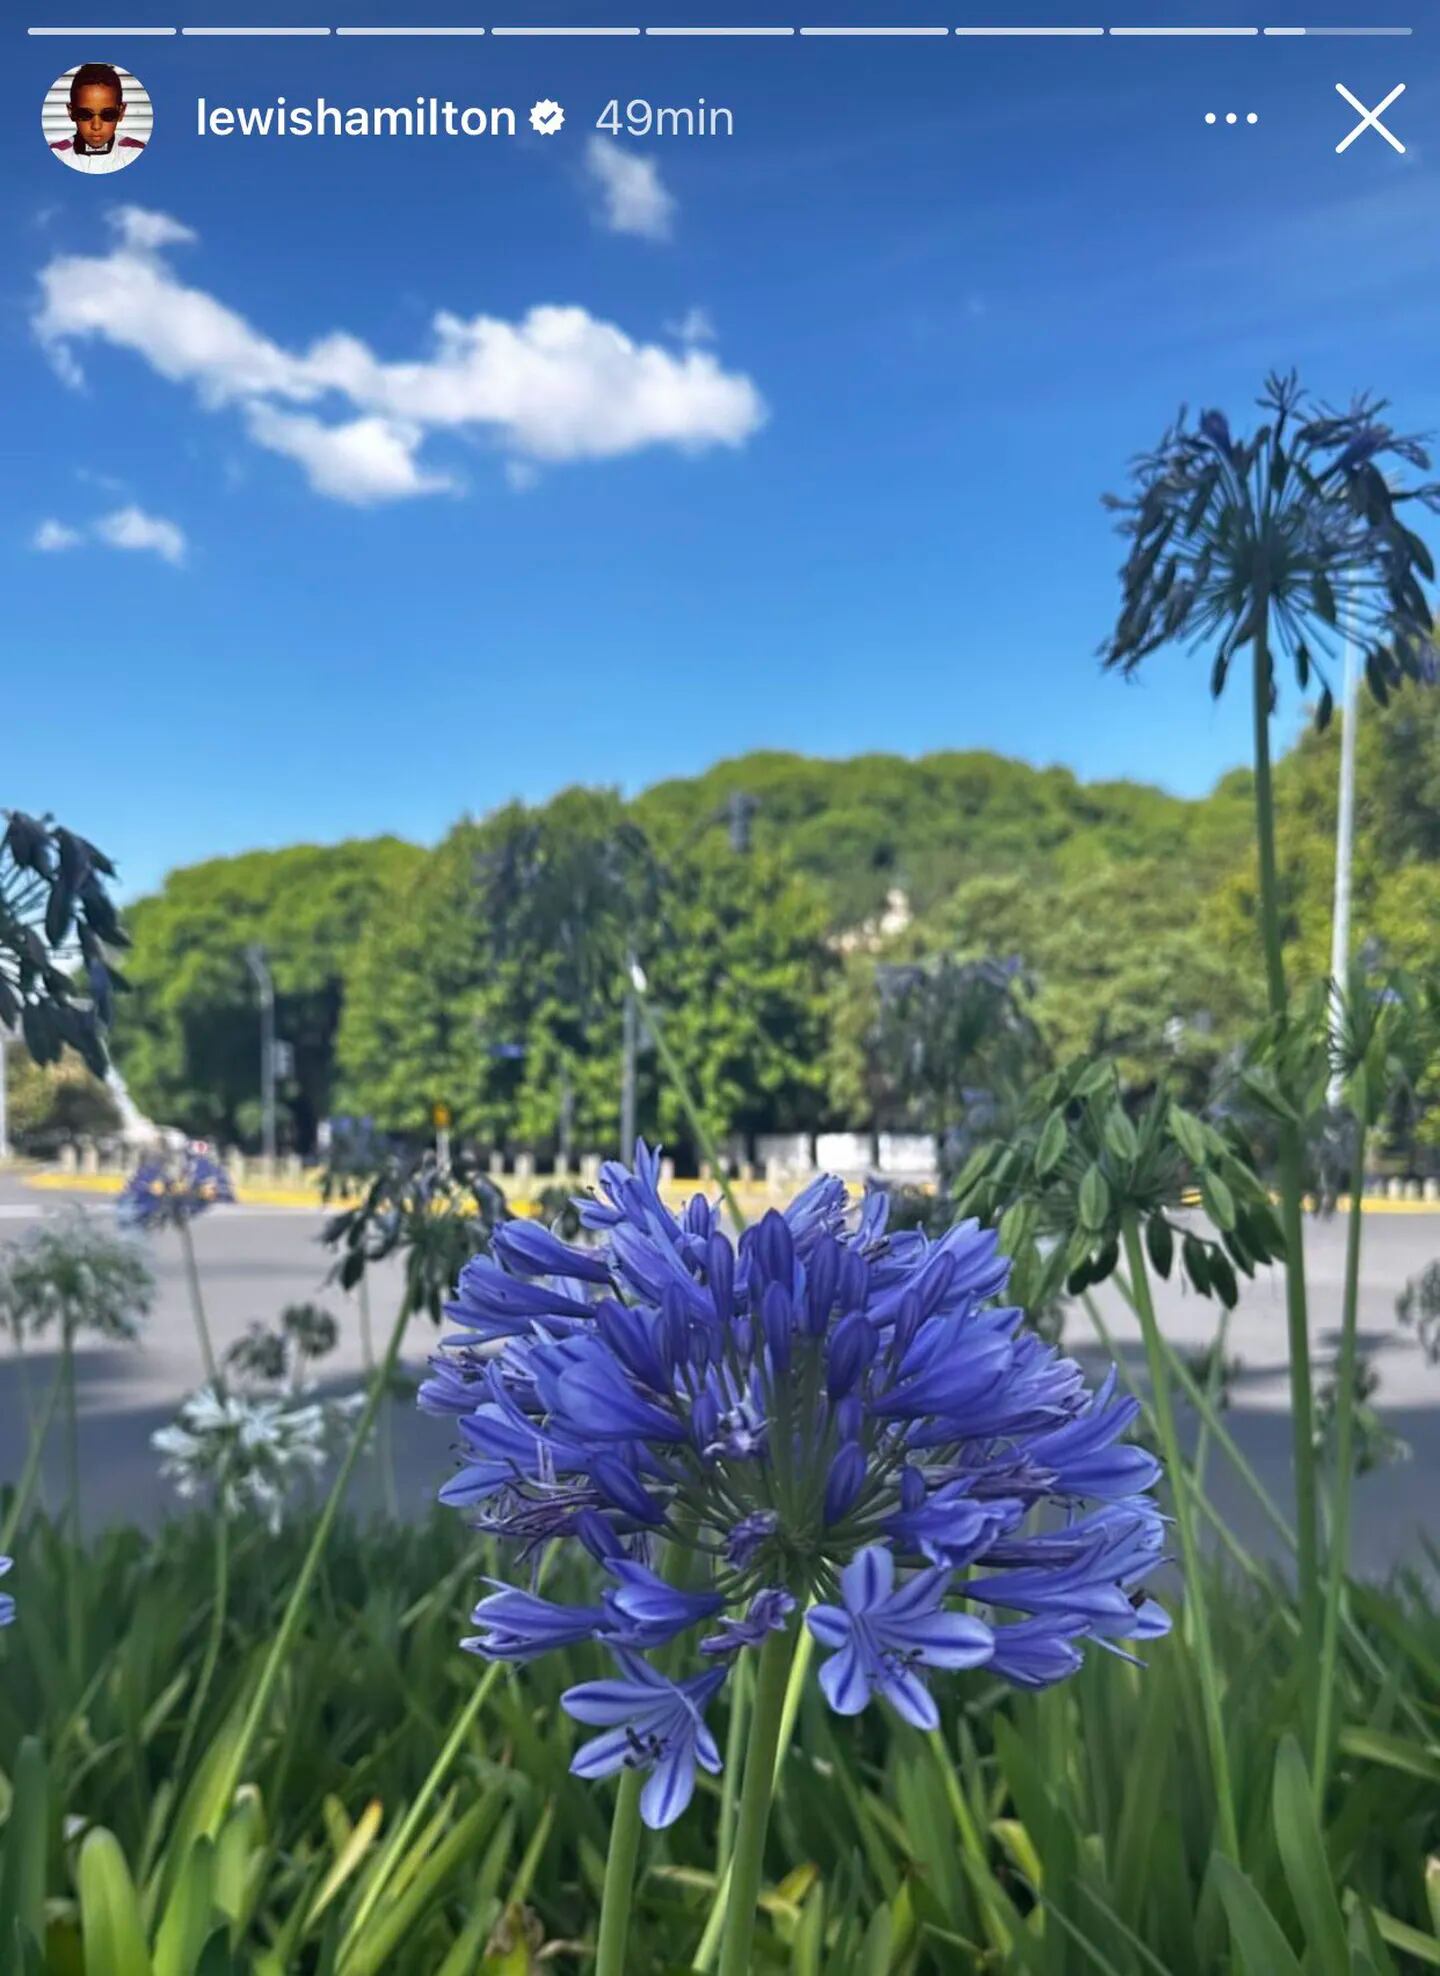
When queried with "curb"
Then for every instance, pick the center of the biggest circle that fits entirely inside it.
(676, 1195)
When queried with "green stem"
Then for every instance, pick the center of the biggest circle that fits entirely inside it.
(988, 1895)
(1180, 1485)
(219, 1605)
(1212, 1516)
(299, 1591)
(72, 1435)
(1361, 1647)
(619, 1892)
(688, 1105)
(197, 1304)
(24, 1377)
(799, 1668)
(730, 1777)
(1339, 1558)
(381, 1876)
(74, 1620)
(1291, 1182)
(385, 1438)
(1214, 1379)
(30, 1473)
(771, 1681)
(1209, 1416)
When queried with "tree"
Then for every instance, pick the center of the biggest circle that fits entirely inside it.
(955, 1041)
(188, 1040)
(497, 984)
(50, 1104)
(874, 823)
(743, 971)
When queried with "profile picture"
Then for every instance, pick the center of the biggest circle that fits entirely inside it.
(97, 118)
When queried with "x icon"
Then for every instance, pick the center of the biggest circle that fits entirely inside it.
(1370, 119)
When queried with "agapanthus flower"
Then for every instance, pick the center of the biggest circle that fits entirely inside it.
(162, 1193)
(7, 1604)
(826, 1417)
(249, 1448)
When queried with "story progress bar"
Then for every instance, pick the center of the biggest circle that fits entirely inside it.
(757, 33)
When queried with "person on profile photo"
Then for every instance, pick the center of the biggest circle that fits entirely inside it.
(97, 110)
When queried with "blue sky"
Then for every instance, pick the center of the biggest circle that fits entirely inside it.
(813, 461)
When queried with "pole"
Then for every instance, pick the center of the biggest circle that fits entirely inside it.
(259, 968)
(1344, 841)
(4, 1114)
(630, 1052)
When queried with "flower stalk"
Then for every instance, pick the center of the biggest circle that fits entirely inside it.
(1180, 1485)
(197, 1302)
(771, 1681)
(619, 1890)
(219, 1608)
(1338, 1562)
(300, 1590)
(1292, 1184)
(30, 1473)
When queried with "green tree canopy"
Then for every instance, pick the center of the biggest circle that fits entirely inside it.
(187, 1038)
(507, 1025)
(487, 974)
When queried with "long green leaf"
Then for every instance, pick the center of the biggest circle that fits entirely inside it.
(109, 1910)
(1397, 1752)
(27, 1837)
(1307, 1870)
(1256, 1932)
(189, 1917)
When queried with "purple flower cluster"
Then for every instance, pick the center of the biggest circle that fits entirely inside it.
(7, 1604)
(823, 1416)
(162, 1193)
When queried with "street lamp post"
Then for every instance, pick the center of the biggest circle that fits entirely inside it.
(259, 968)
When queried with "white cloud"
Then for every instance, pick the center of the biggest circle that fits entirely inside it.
(51, 536)
(695, 326)
(132, 528)
(148, 231)
(362, 461)
(123, 528)
(557, 384)
(633, 196)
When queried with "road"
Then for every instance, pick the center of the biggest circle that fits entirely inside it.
(254, 1260)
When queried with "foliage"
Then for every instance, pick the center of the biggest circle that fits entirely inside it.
(50, 1105)
(952, 1043)
(56, 917)
(1134, 914)
(742, 973)
(1418, 1306)
(1376, 1445)
(187, 1038)
(435, 1214)
(514, 1026)
(877, 822)
(1061, 1185)
(1077, 1821)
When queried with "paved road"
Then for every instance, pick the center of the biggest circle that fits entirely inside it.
(254, 1260)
